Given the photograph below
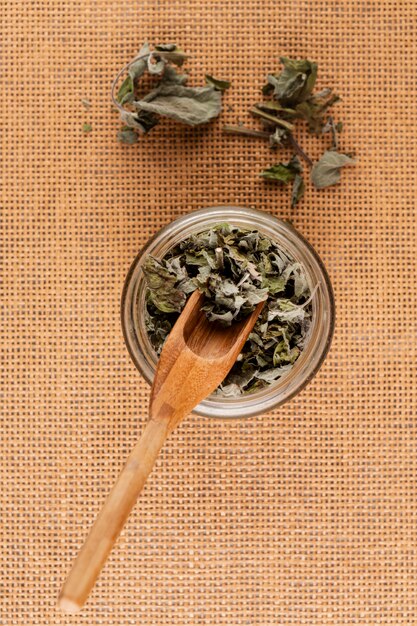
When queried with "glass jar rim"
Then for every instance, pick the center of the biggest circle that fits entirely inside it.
(289, 238)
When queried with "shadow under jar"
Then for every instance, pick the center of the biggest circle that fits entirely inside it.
(290, 241)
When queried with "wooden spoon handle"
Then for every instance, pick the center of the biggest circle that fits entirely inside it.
(112, 517)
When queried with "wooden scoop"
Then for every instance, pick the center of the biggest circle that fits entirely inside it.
(195, 359)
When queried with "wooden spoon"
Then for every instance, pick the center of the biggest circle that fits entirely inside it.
(195, 359)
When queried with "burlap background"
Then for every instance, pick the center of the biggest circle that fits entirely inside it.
(307, 515)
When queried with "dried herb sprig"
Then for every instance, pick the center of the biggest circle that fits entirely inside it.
(235, 269)
(170, 96)
(292, 98)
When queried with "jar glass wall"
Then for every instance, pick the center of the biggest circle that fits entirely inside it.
(287, 238)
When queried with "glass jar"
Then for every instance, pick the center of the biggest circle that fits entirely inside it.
(279, 231)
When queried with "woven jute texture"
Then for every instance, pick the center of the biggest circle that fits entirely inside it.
(306, 515)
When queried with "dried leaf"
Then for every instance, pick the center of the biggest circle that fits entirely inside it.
(135, 71)
(298, 190)
(283, 172)
(272, 374)
(296, 81)
(171, 53)
(166, 47)
(314, 110)
(131, 120)
(125, 92)
(127, 135)
(141, 121)
(190, 105)
(162, 287)
(170, 97)
(147, 120)
(293, 99)
(220, 85)
(156, 63)
(87, 128)
(326, 172)
(170, 75)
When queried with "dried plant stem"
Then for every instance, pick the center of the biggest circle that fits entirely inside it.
(294, 143)
(334, 133)
(271, 118)
(242, 130)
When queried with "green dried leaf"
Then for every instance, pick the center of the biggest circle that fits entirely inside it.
(125, 92)
(127, 135)
(220, 85)
(156, 63)
(286, 310)
(189, 105)
(283, 172)
(273, 374)
(326, 172)
(147, 120)
(296, 81)
(172, 53)
(279, 173)
(293, 99)
(324, 99)
(314, 110)
(170, 75)
(283, 353)
(141, 121)
(240, 379)
(131, 120)
(166, 47)
(268, 88)
(135, 71)
(274, 283)
(225, 318)
(170, 97)
(298, 190)
(163, 292)
(87, 128)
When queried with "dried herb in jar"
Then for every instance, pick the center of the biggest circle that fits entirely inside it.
(236, 269)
